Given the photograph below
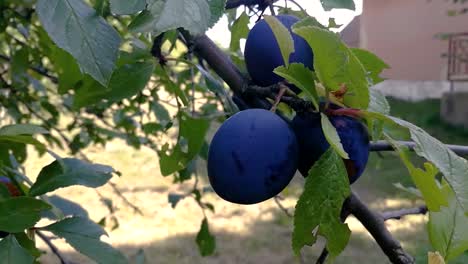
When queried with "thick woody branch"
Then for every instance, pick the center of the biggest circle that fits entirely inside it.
(375, 224)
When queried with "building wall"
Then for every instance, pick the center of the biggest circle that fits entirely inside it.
(402, 33)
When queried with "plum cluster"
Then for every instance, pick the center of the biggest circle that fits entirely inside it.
(255, 153)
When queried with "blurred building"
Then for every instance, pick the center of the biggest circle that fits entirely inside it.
(403, 33)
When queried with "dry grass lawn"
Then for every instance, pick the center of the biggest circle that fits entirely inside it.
(258, 233)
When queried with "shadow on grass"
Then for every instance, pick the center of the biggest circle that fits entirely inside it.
(262, 241)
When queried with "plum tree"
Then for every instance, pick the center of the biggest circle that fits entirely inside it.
(312, 141)
(252, 157)
(263, 55)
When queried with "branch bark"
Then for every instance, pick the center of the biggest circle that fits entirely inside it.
(398, 214)
(375, 224)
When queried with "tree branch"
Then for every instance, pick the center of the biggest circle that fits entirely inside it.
(398, 214)
(375, 224)
(38, 70)
(52, 247)
(382, 145)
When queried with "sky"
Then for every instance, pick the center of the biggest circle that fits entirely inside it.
(313, 7)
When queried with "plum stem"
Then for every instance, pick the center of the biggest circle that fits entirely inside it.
(278, 97)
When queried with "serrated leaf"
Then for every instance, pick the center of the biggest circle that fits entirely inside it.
(127, 7)
(11, 252)
(22, 129)
(164, 15)
(331, 4)
(84, 235)
(283, 37)
(67, 172)
(373, 64)
(319, 206)
(192, 133)
(205, 240)
(25, 211)
(301, 77)
(75, 27)
(378, 103)
(335, 64)
(448, 229)
(424, 179)
(239, 30)
(453, 167)
(217, 8)
(332, 136)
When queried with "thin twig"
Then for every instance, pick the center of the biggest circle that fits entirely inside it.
(278, 98)
(398, 214)
(52, 247)
(323, 256)
(38, 70)
(280, 205)
(124, 199)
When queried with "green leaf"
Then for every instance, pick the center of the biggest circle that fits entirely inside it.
(191, 138)
(75, 27)
(25, 211)
(453, 167)
(301, 77)
(373, 64)
(319, 206)
(126, 81)
(378, 103)
(332, 136)
(239, 30)
(67, 172)
(448, 229)
(24, 139)
(335, 64)
(283, 37)
(84, 235)
(174, 199)
(28, 244)
(22, 129)
(309, 21)
(331, 4)
(127, 7)
(205, 240)
(11, 252)
(424, 179)
(19, 67)
(217, 8)
(67, 68)
(164, 15)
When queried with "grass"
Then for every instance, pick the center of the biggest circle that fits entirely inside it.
(258, 233)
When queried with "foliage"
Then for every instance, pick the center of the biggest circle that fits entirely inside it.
(80, 73)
